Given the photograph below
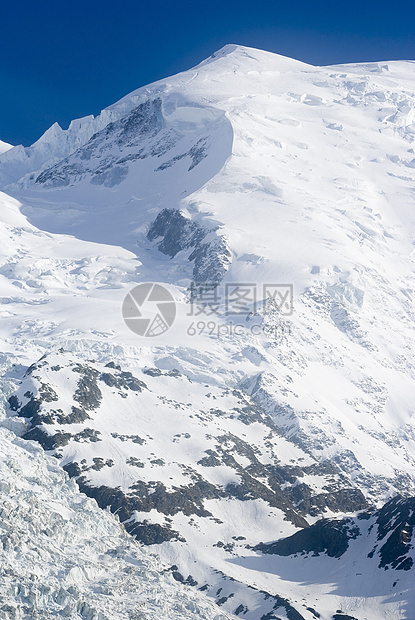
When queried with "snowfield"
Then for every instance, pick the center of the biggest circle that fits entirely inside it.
(253, 172)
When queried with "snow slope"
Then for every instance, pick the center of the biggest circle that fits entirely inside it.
(283, 173)
(4, 147)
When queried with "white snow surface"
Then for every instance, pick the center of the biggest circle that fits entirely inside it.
(309, 174)
(4, 146)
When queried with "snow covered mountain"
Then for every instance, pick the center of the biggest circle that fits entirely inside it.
(4, 147)
(273, 200)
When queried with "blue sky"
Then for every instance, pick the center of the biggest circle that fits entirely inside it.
(63, 60)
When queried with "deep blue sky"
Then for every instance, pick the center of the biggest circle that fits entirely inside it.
(63, 60)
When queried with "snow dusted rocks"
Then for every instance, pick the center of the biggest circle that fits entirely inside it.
(142, 124)
(172, 460)
(172, 456)
(104, 425)
(151, 131)
(208, 251)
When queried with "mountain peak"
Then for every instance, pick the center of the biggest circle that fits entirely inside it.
(5, 147)
(243, 54)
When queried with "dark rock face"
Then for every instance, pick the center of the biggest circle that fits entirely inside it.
(142, 124)
(211, 257)
(344, 500)
(325, 536)
(87, 394)
(392, 528)
(14, 403)
(180, 578)
(152, 372)
(46, 440)
(72, 469)
(123, 380)
(396, 522)
(177, 232)
(145, 120)
(195, 155)
(152, 533)
(211, 261)
(29, 409)
(280, 602)
(124, 506)
(77, 416)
